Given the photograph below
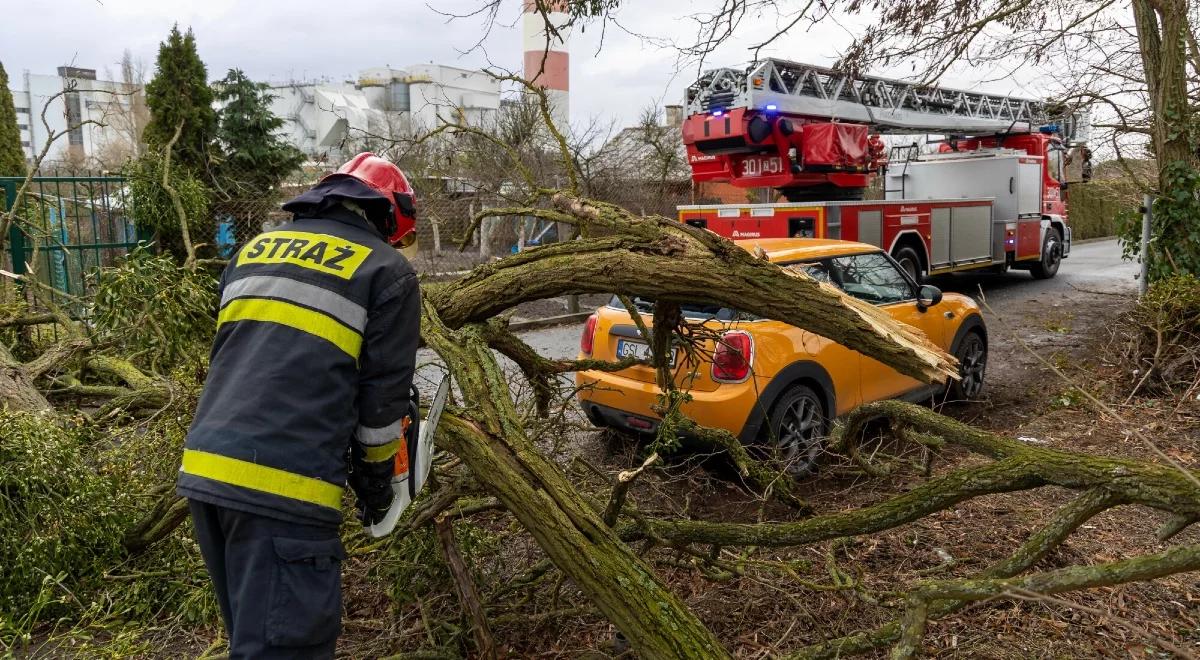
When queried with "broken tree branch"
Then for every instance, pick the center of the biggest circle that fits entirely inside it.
(625, 480)
(464, 586)
(488, 437)
(190, 262)
(661, 259)
(1147, 567)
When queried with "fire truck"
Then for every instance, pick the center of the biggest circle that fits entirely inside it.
(992, 196)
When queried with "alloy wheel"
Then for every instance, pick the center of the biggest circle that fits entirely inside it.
(801, 427)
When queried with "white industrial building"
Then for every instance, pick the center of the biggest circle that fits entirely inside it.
(326, 120)
(81, 99)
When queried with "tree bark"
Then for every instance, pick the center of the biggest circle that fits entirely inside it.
(17, 391)
(1163, 31)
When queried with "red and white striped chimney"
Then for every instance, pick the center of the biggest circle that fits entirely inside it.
(546, 58)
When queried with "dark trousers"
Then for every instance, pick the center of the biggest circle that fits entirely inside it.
(279, 583)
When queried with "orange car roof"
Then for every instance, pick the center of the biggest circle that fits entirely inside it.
(803, 249)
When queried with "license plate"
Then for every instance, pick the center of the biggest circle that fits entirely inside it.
(639, 350)
(762, 166)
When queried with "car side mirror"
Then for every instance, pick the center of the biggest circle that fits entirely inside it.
(928, 296)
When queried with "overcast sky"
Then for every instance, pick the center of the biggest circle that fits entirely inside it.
(278, 40)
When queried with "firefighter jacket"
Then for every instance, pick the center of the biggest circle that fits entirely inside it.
(315, 348)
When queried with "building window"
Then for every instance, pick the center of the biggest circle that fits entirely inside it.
(74, 119)
(21, 110)
(22, 127)
(25, 143)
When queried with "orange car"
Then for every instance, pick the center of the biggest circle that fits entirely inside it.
(773, 384)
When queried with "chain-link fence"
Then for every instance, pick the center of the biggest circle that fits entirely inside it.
(445, 209)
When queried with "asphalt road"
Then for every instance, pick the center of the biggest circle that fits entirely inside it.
(1091, 267)
(1096, 266)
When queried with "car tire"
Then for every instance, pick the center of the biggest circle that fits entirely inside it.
(1052, 252)
(972, 366)
(796, 430)
(910, 261)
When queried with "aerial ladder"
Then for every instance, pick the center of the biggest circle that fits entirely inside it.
(812, 132)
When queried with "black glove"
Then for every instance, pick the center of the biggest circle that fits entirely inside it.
(372, 486)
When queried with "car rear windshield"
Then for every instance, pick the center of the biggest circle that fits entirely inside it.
(691, 311)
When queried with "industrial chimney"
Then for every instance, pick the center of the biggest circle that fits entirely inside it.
(674, 116)
(546, 57)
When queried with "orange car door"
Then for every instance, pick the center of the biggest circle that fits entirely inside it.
(842, 364)
(873, 278)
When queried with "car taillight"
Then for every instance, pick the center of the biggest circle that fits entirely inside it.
(587, 339)
(731, 360)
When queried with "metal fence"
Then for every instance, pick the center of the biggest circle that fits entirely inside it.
(68, 227)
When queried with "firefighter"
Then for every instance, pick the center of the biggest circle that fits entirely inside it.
(307, 389)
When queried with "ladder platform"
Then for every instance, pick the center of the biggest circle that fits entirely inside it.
(889, 106)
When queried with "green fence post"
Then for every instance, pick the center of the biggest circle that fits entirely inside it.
(16, 237)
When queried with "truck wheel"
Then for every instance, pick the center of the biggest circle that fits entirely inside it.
(972, 364)
(1052, 251)
(910, 262)
(796, 431)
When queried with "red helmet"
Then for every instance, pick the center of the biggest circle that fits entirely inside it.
(388, 180)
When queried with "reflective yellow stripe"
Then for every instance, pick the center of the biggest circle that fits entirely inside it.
(293, 316)
(381, 452)
(261, 478)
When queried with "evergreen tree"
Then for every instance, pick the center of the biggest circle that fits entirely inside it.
(254, 157)
(180, 92)
(12, 156)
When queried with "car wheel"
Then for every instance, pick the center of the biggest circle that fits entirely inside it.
(797, 430)
(910, 262)
(1052, 253)
(972, 365)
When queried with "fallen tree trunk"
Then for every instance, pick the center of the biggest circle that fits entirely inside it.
(17, 390)
(489, 438)
(1019, 466)
(661, 259)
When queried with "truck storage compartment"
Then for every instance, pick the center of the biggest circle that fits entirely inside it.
(1012, 177)
(833, 146)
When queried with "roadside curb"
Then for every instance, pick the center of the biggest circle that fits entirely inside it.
(548, 322)
(1085, 241)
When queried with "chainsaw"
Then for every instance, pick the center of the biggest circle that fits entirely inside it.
(414, 459)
